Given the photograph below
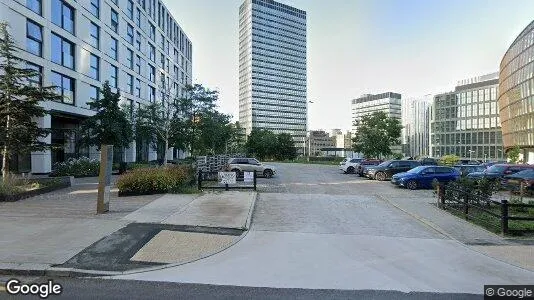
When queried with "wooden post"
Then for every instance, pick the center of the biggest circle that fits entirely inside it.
(504, 216)
(104, 178)
(199, 179)
(255, 180)
(466, 206)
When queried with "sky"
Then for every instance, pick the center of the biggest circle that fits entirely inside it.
(356, 47)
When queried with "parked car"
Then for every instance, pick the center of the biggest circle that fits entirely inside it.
(425, 176)
(428, 161)
(366, 163)
(470, 162)
(389, 168)
(498, 171)
(491, 163)
(350, 165)
(525, 177)
(240, 165)
(466, 169)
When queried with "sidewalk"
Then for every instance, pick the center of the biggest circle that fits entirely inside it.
(422, 206)
(59, 231)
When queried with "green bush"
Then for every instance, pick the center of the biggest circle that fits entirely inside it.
(10, 186)
(77, 167)
(147, 181)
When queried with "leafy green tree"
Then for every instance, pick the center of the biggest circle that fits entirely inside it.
(449, 160)
(285, 147)
(261, 143)
(215, 132)
(110, 125)
(375, 135)
(237, 141)
(20, 101)
(513, 154)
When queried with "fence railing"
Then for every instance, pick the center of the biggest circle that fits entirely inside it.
(481, 207)
(210, 180)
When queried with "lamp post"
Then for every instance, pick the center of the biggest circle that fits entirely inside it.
(309, 138)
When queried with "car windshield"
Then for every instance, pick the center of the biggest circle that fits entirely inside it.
(496, 169)
(387, 162)
(416, 169)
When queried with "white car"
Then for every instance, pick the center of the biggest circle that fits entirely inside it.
(349, 165)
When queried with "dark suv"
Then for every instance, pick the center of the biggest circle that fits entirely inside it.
(389, 168)
(365, 164)
(498, 171)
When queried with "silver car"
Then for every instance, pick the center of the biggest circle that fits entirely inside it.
(240, 165)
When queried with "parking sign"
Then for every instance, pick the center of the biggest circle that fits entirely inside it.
(227, 178)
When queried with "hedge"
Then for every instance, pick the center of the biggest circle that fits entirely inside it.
(147, 181)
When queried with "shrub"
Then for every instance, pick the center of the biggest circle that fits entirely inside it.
(77, 167)
(449, 160)
(10, 186)
(146, 181)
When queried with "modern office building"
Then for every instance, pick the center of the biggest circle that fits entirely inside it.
(272, 68)
(516, 95)
(466, 122)
(389, 102)
(77, 45)
(415, 113)
(342, 142)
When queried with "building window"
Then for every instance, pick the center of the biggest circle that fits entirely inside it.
(95, 36)
(62, 51)
(162, 42)
(129, 58)
(37, 80)
(34, 38)
(114, 21)
(113, 76)
(94, 93)
(95, 8)
(162, 61)
(138, 41)
(129, 83)
(115, 1)
(152, 94)
(137, 87)
(114, 49)
(138, 64)
(152, 32)
(34, 5)
(152, 53)
(63, 15)
(130, 34)
(152, 75)
(95, 67)
(138, 17)
(129, 9)
(64, 87)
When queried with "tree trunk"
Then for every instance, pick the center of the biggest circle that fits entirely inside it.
(166, 149)
(5, 154)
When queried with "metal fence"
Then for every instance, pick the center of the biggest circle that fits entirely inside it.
(211, 180)
(482, 207)
(215, 163)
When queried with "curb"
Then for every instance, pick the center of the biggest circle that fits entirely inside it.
(251, 211)
(443, 232)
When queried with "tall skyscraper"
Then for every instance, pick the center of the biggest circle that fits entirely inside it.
(416, 126)
(272, 68)
(137, 46)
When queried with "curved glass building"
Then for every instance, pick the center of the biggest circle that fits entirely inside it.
(516, 94)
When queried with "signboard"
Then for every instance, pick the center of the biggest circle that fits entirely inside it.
(227, 178)
(249, 177)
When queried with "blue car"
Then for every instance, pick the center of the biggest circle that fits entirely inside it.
(424, 176)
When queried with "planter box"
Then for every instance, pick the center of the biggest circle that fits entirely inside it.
(64, 182)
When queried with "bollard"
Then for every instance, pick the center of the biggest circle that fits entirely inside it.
(199, 180)
(466, 206)
(255, 180)
(504, 216)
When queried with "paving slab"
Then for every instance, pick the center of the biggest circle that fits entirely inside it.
(160, 209)
(176, 247)
(229, 209)
(520, 255)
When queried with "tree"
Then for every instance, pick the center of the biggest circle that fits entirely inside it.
(197, 104)
(236, 144)
(513, 154)
(110, 125)
(19, 103)
(263, 144)
(215, 131)
(375, 134)
(285, 148)
(449, 160)
(155, 121)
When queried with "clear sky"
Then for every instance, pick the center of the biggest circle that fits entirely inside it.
(355, 47)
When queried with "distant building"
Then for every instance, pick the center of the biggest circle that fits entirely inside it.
(316, 141)
(416, 126)
(273, 68)
(389, 102)
(466, 122)
(516, 92)
(342, 143)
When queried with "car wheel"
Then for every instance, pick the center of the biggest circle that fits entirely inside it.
(350, 170)
(380, 176)
(268, 173)
(412, 185)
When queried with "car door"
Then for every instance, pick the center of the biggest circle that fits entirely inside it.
(444, 174)
(427, 176)
(391, 169)
(404, 166)
(254, 165)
